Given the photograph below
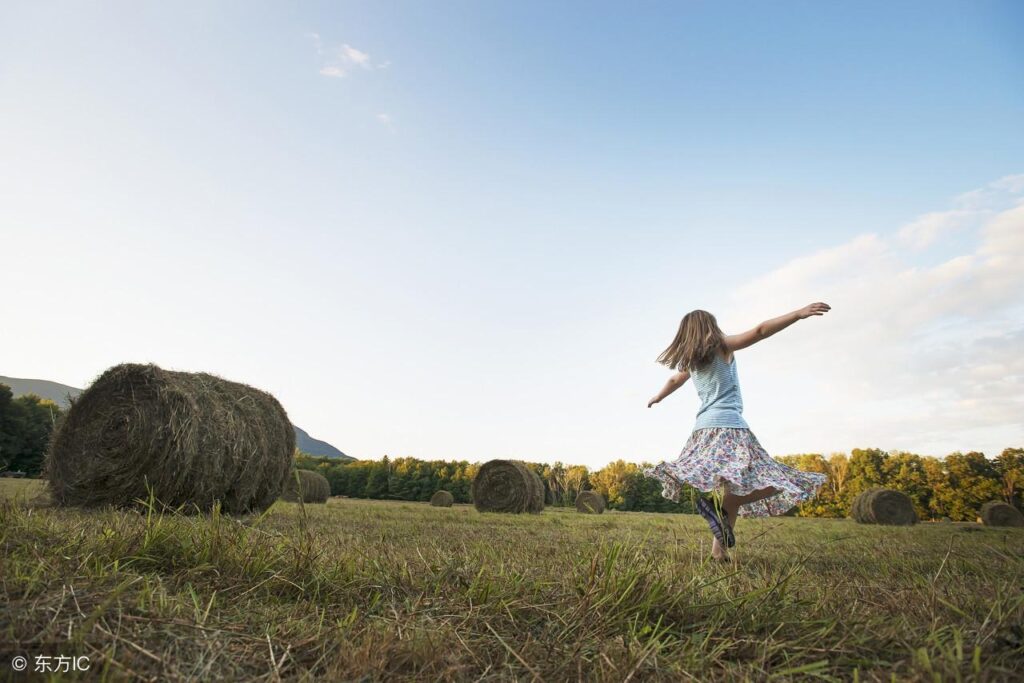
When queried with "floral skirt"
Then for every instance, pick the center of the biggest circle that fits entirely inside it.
(717, 455)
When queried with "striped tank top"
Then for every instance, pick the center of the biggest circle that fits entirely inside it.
(718, 387)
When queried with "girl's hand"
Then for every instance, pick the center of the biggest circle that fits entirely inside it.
(653, 401)
(818, 308)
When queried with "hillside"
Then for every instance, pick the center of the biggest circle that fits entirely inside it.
(53, 391)
(308, 444)
(59, 394)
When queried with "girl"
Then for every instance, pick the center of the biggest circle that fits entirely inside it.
(722, 451)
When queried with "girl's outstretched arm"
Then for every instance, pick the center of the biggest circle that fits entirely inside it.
(674, 382)
(735, 342)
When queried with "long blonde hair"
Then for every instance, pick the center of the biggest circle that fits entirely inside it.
(697, 341)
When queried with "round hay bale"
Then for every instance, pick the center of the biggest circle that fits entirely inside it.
(306, 486)
(442, 499)
(884, 506)
(507, 486)
(892, 507)
(855, 507)
(857, 510)
(590, 502)
(192, 439)
(998, 513)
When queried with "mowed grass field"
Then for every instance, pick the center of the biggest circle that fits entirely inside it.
(369, 590)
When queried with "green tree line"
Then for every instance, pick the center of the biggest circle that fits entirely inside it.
(25, 426)
(622, 483)
(955, 486)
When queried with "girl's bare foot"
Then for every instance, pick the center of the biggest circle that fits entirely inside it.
(718, 552)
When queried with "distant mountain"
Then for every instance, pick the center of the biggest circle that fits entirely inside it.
(308, 444)
(59, 393)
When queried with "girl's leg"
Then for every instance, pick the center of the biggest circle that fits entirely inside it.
(718, 552)
(731, 503)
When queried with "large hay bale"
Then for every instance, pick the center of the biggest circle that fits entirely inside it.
(442, 499)
(507, 486)
(193, 439)
(590, 502)
(884, 506)
(306, 486)
(998, 513)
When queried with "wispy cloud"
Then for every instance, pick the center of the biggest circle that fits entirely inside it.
(342, 60)
(333, 72)
(350, 55)
(968, 208)
(923, 356)
(926, 229)
(386, 120)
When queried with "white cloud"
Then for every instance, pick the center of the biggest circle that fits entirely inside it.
(332, 72)
(923, 231)
(350, 55)
(1013, 184)
(992, 194)
(970, 209)
(340, 61)
(931, 357)
(386, 119)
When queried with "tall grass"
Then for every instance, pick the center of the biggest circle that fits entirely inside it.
(362, 590)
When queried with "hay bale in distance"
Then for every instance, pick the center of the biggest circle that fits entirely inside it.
(892, 507)
(442, 499)
(590, 502)
(857, 511)
(507, 486)
(861, 509)
(193, 439)
(884, 506)
(998, 513)
(306, 486)
(855, 507)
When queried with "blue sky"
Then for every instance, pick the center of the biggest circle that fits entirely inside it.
(466, 229)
